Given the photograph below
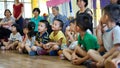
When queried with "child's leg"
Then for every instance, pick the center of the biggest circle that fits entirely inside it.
(111, 61)
(95, 55)
(29, 50)
(55, 47)
(13, 45)
(80, 51)
(68, 53)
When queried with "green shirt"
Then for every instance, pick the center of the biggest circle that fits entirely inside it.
(89, 42)
(36, 21)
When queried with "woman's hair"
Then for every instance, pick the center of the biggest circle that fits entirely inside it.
(60, 21)
(49, 29)
(86, 2)
(36, 9)
(113, 12)
(84, 21)
(8, 11)
(55, 7)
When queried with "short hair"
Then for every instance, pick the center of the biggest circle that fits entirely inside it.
(8, 11)
(86, 2)
(61, 22)
(31, 26)
(48, 26)
(55, 7)
(113, 12)
(36, 9)
(72, 21)
(84, 21)
(17, 27)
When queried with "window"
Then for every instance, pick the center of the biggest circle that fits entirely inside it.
(2, 8)
(8, 4)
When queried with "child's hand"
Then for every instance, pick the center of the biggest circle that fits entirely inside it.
(74, 56)
(36, 43)
(46, 46)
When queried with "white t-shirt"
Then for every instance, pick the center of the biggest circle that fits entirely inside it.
(30, 42)
(111, 38)
(15, 37)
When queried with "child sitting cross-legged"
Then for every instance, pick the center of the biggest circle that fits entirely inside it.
(14, 39)
(86, 41)
(57, 39)
(42, 37)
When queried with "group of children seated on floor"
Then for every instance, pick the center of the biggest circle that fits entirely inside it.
(77, 44)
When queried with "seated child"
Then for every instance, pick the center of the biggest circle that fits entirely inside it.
(86, 41)
(42, 37)
(57, 38)
(110, 37)
(21, 45)
(71, 37)
(14, 39)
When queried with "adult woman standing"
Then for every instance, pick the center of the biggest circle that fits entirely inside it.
(82, 4)
(17, 13)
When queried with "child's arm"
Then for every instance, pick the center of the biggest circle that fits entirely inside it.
(38, 44)
(111, 51)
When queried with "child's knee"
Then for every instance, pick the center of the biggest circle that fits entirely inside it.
(55, 47)
(91, 51)
(34, 48)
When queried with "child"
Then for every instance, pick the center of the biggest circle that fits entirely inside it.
(14, 39)
(110, 37)
(82, 4)
(58, 40)
(114, 60)
(21, 45)
(42, 37)
(71, 37)
(86, 41)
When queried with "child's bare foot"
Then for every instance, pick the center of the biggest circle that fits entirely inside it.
(77, 61)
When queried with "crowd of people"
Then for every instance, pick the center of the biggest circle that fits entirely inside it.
(73, 40)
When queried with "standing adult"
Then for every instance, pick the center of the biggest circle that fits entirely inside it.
(17, 13)
(36, 19)
(57, 15)
(82, 4)
(5, 24)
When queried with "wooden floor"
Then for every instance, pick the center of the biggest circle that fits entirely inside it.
(11, 59)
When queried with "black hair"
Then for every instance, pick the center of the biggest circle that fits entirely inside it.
(48, 26)
(36, 9)
(8, 11)
(84, 21)
(86, 2)
(17, 27)
(72, 21)
(31, 34)
(55, 7)
(113, 12)
(118, 2)
(31, 26)
(61, 22)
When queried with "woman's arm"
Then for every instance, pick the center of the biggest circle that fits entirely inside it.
(22, 9)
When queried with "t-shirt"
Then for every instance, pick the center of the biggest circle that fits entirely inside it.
(88, 42)
(36, 21)
(16, 37)
(30, 42)
(44, 38)
(112, 37)
(7, 20)
(58, 37)
(17, 9)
